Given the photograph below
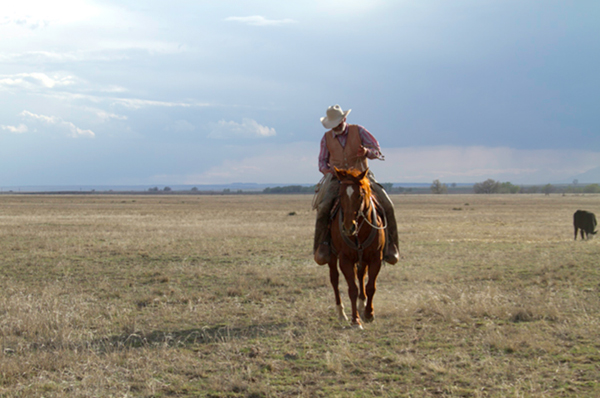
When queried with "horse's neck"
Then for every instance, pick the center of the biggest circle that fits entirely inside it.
(368, 207)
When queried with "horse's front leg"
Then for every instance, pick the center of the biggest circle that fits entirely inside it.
(334, 278)
(371, 288)
(350, 275)
(361, 273)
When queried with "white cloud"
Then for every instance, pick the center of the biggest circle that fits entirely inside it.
(25, 22)
(249, 128)
(21, 128)
(135, 103)
(113, 89)
(98, 53)
(257, 20)
(54, 120)
(85, 29)
(103, 115)
(151, 46)
(35, 80)
(33, 14)
(43, 118)
(42, 56)
(130, 103)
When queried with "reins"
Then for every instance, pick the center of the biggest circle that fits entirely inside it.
(365, 219)
(359, 247)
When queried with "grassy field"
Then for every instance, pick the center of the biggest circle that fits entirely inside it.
(218, 296)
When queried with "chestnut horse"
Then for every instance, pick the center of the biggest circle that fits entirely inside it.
(357, 242)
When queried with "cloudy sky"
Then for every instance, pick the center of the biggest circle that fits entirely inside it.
(203, 92)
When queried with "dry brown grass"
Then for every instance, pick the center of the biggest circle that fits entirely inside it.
(218, 296)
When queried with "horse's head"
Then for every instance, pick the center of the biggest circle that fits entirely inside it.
(355, 191)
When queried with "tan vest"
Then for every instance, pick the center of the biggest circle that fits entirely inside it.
(345, 157)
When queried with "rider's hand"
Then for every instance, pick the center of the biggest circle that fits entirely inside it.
(362, 151)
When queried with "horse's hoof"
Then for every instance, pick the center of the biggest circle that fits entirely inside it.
(357, 326)
(360, 304)
(341, 314)
(369, 319)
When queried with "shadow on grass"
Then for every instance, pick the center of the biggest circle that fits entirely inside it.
(190, 337)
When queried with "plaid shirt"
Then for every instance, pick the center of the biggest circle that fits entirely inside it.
(368, 141)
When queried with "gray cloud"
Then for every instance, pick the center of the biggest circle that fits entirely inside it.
(181, 126)
(265, 163)
(509, 87)
(478, 163)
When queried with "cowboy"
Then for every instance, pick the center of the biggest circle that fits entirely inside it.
(348, 146)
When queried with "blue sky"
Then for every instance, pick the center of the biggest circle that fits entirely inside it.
(203, 92)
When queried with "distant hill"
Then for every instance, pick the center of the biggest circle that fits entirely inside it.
(589, 177)
(246, 187)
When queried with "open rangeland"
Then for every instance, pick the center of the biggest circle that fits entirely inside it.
(157, 296)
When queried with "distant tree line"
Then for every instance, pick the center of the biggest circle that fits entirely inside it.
(155, 189)
(290, 189)
(491, 186)
(576, 188)
(488, 186)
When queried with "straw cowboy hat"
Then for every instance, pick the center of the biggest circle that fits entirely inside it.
(335, 115)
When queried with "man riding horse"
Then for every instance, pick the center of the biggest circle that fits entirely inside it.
(348, 146)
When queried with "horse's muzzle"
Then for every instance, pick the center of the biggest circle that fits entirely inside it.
(350, 231)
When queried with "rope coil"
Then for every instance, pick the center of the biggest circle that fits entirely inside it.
(320, 191)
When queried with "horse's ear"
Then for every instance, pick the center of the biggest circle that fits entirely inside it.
(338, 173)
(363, 174)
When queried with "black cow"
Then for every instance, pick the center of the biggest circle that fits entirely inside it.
(585, 222)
